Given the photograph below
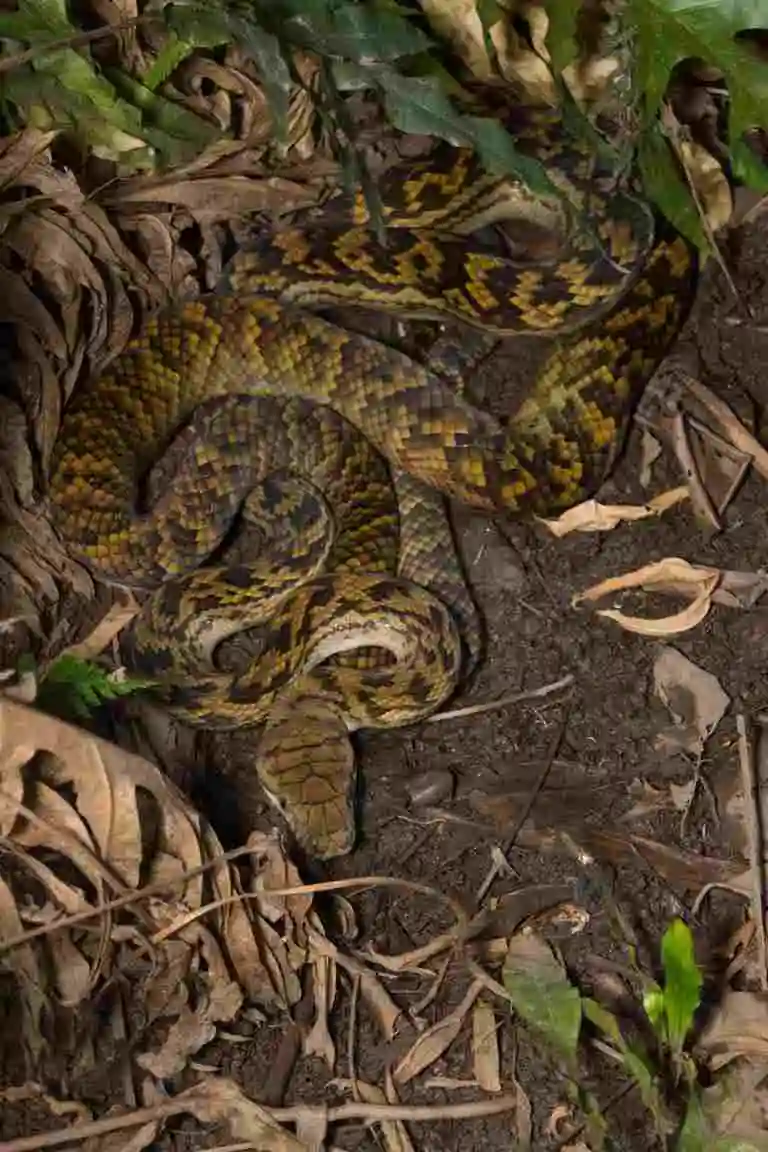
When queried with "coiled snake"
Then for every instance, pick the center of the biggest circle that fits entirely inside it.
(245, 408)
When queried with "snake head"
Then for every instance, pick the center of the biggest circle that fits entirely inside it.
(306, 765)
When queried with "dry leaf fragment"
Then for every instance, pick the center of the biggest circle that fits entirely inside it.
(693, 696)
(435, 1040)
(671, 575)
(739, 1027)
(113, 622)
(592, 516)
(485, 1047)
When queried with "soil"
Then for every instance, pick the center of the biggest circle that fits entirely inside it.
(577, 758)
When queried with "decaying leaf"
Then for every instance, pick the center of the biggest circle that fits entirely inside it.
(73, 806)
(671, 575)
(738, 1028)
(221, 1101)
(431, 1044)
(592, 516)
(541, 993)
(485, 1048)
(461, 23)
(693, 696)
(110, 625)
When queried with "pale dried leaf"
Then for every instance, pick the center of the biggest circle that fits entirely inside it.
(214, 198)
(650, 450)
(221, 1101)
(739, 1027)
(71, 970)
(670, 574)
(458, 22)
(693, 696)
(134, 1140)
(373, 992)
(312, 1129)
(318, 1040)
(432, 1043)
(709, 181)
(648, 800)
(592, 516)
(523, 1120)
(485, 1047)
(120, 613)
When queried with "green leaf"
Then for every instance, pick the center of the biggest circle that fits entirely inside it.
(664, 183)
(643, 1073)
(668, 31)
(748, 167)
(682, 982)
(561, 34)
(602, 1019)
(75, 688)
(167, 61)
(653, 1003)
(542, 994)
(365, 33)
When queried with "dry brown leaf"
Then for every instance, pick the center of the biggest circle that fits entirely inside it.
(458, 22)
(121, 612)
(670, 574)
(693, 696)
(210, 198)
(592, 516)
(431, 1044)
(220, 1101)
(76, 795)
(738, 1028)
(647, 800)
(394, 1136)
(381, 1004)
(736, 1105)
(485, 1047)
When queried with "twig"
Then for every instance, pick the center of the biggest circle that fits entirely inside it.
(353, 1111)
(747, 766)
(509, 843)
(503, 701)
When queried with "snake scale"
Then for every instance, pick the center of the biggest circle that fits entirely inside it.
(247, 410)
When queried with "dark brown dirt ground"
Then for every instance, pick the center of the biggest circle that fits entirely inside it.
(606, 724)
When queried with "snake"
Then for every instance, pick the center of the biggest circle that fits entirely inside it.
(247, 409)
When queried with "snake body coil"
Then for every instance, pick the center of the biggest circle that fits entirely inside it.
(246, 405)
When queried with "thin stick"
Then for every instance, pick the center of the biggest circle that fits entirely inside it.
(353, 1111)
(503, 701)
(746, 764)
(509, 843)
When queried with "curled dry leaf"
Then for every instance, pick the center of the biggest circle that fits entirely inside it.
(693, 696)
(669, 575)
(459, 22)
(592, 516)
(71, 801)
